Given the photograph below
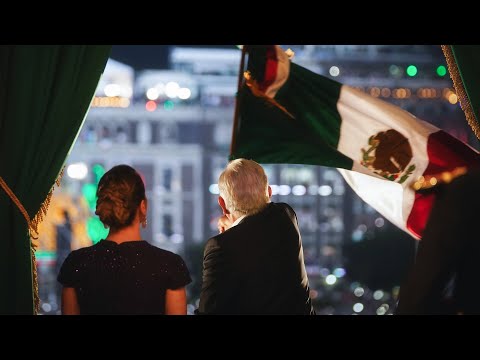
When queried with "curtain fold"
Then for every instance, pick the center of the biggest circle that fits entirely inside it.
(45, 94)
(463, 67)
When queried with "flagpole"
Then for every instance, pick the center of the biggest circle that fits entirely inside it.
(237, 100)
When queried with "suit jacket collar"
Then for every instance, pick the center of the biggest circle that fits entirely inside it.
(245, 218)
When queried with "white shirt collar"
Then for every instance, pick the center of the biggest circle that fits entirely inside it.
(241, 218)
(238, 220)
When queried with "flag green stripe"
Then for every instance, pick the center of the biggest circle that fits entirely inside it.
(268, 135)
(312, 99)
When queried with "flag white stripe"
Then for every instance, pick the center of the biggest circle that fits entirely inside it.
(363, 116)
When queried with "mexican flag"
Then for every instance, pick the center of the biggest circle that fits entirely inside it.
(288, 114)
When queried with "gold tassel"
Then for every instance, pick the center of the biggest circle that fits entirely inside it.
(42, 212)
(429, 181)
(36, 297)
(253, 85)
(33, 228)
(17, 202)
(460, 90)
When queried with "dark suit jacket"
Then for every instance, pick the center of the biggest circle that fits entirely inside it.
(446, 273)
(257, 267)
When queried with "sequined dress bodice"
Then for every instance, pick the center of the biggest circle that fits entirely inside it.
(127, 278)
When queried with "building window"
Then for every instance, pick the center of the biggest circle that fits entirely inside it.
(167, 179)
(167, 228)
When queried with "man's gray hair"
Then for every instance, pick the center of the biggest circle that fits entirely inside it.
(244, 187)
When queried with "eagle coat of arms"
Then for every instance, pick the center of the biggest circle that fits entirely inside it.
(388, 155)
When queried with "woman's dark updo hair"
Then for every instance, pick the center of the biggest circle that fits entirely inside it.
(119, 194)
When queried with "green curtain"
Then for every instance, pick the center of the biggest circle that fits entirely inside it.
(463, 65)
(45, 93)
(467, 58)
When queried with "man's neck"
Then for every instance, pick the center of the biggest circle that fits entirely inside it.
(238, 219)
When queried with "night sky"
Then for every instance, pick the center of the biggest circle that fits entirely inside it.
(149, 56)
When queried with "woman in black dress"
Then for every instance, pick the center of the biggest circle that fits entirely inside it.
(123, 274)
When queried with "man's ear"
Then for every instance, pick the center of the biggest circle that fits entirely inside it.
(269, 191)
(221, 202)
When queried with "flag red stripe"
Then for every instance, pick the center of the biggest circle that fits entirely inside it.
(271, 68)
(418, 217)
(445, 153)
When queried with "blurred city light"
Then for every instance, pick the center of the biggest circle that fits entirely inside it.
(339, 272)
(358, 307)
(171, 89)
(452, 98)
(184, 93)
(89, 191)
(152, 94)
(379, 222)
(112, 90)
(98, 170)
(299, 190)
(378, 295)
(324, 190)
(176, 238)
(77, 171)
(381, 310)
(168, 105)
(395, 70)
(96, 230)
(412, 70)
(359, 291)
(331, 279)
(151, 105)
(441, 70)
(213, 188)
(275, 189)
(334, 71)
(284, 190)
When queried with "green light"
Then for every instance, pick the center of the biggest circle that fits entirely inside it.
(395, 70)
(45, 255)
(412, 70)
(441, 70)
(168, 105)
(95, 229)
(89, 191)
(99, 171)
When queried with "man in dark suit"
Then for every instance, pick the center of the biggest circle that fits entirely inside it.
(444, 278)
(255, 265)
